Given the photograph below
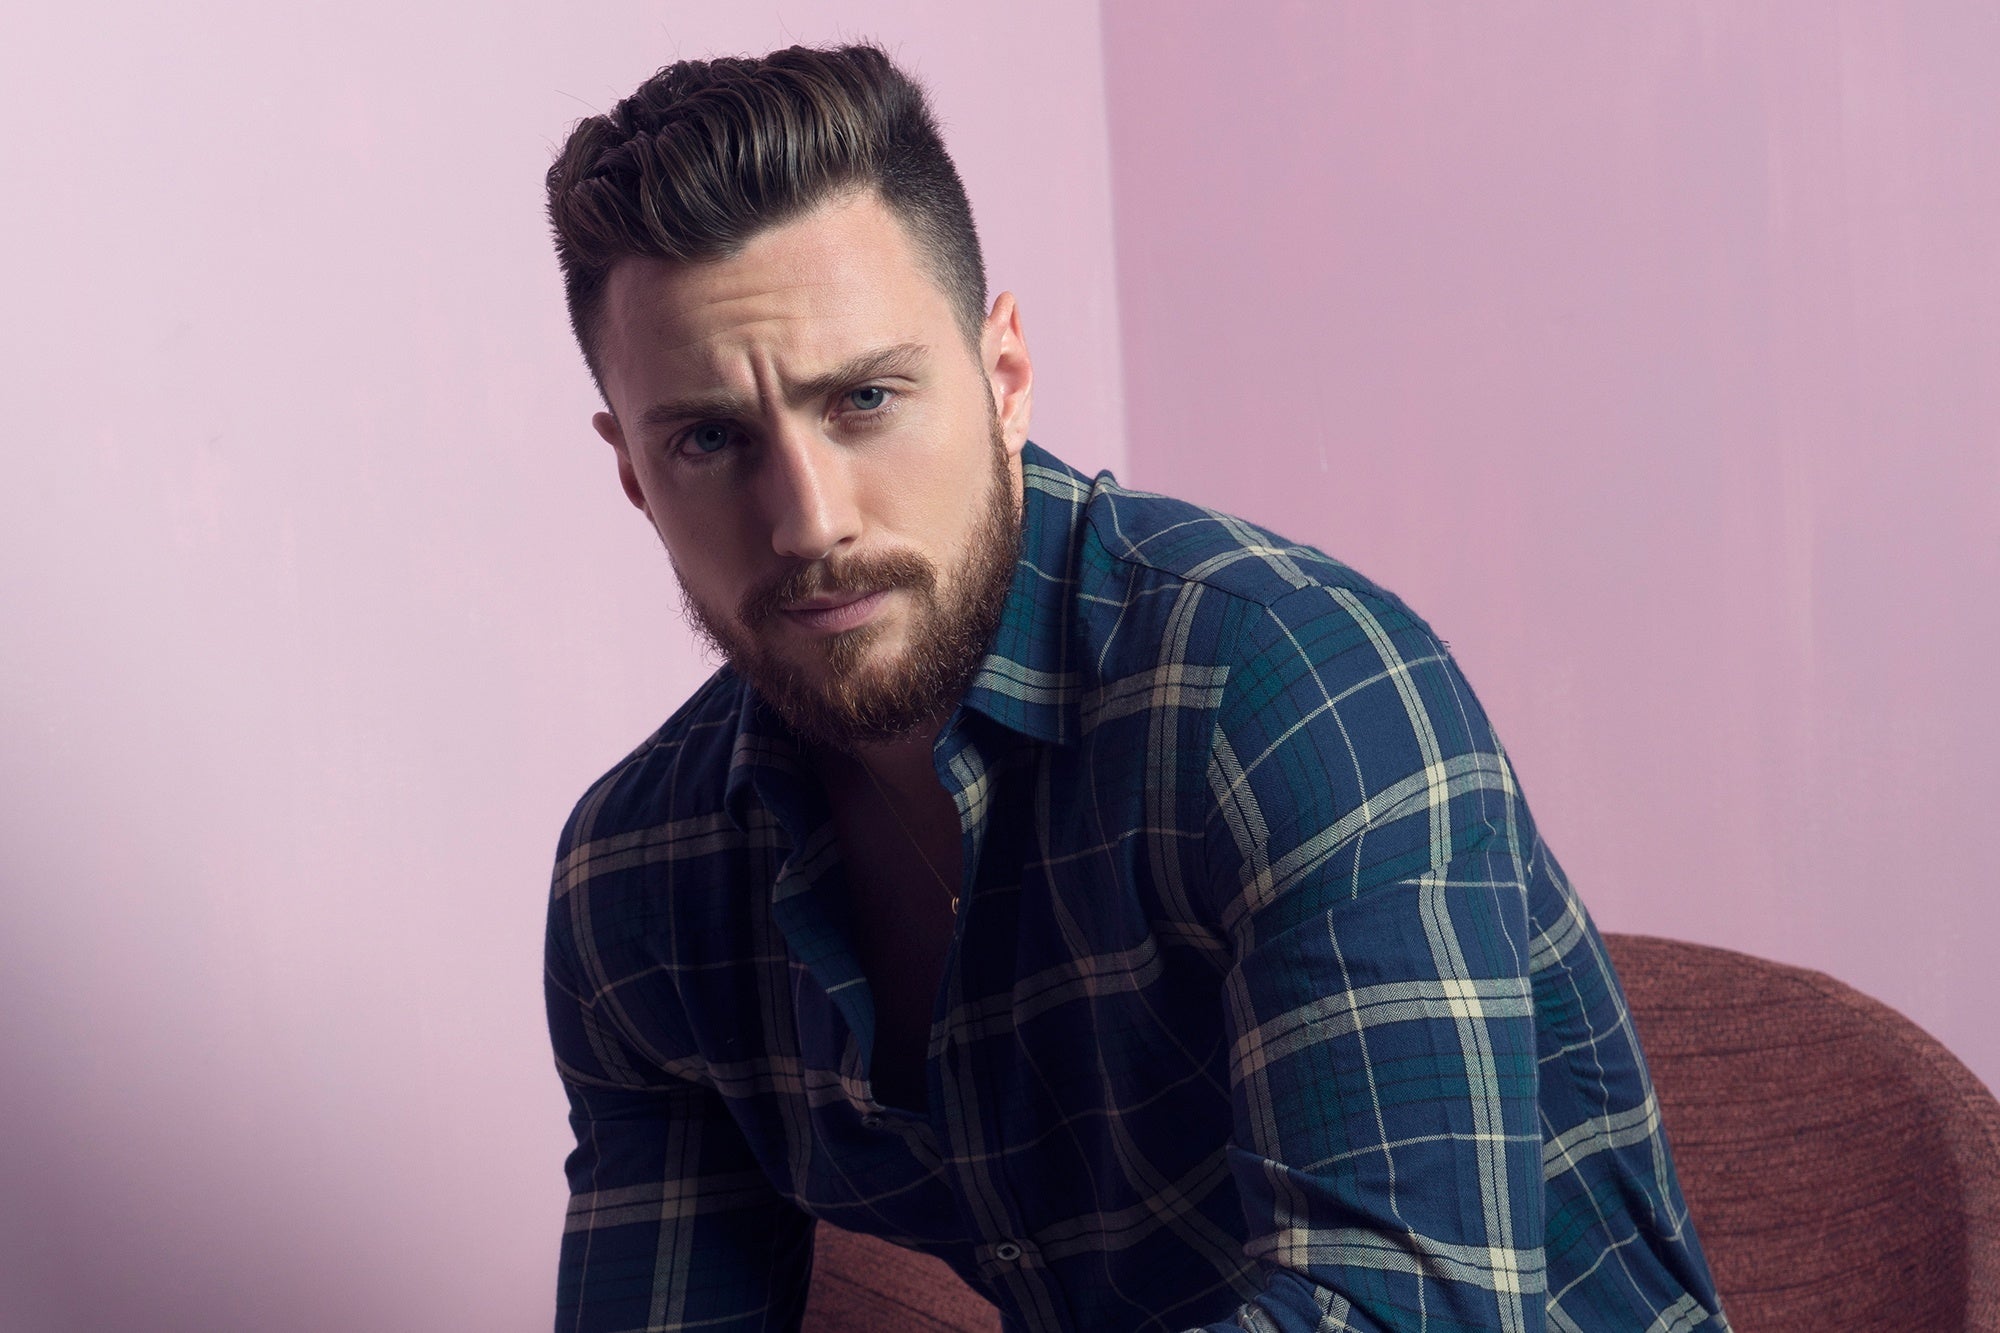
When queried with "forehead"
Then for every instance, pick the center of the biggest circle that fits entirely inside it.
(795, 298)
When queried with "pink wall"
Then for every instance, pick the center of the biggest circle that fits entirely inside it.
(1650, 351)
(322, 604)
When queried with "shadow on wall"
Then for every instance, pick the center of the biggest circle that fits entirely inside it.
(180, 1130)
(128, 1211)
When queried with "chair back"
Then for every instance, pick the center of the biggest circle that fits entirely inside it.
(1842, 1168)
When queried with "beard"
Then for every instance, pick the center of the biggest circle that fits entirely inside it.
(837, 698)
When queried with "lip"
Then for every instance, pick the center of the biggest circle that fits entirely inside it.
(834, 617)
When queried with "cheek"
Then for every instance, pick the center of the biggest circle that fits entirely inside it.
(692, 524)
(940, 494)
(708, 581)
(700, 543)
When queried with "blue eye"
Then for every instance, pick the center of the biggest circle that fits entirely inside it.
(709, 437)
(868, 399)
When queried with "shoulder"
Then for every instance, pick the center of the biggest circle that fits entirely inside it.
(1297, 656)
(655, 818)
(679, 772)
(1271, 589)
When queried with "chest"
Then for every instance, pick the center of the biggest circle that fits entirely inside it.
(903, 868)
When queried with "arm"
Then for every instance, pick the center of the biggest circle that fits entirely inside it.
(1365, 862)
(672, 1223)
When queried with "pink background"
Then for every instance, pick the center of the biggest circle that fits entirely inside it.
(1650, 354)
(1653, 353)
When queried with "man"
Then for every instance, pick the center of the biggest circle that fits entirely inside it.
(1125, 905)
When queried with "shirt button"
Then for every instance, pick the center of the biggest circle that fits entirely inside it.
(1006, 1252)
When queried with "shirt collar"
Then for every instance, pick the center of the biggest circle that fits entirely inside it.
(1028, 680)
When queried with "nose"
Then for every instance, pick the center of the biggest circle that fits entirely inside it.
(808, 496)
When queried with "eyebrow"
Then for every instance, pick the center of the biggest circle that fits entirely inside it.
(881, 363)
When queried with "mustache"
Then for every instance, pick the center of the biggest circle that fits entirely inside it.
(860, 575)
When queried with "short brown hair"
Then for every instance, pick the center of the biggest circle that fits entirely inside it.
(707, 153)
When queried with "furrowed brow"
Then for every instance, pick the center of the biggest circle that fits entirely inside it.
(726, 405)
(881, 363)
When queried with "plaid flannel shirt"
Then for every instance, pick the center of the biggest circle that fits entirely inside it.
(1266, 1006)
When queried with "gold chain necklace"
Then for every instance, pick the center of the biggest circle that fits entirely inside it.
(898, 817)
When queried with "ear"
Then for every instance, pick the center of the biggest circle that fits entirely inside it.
(614, 435)
(1003, 353)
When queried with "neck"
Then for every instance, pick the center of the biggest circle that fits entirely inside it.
(902, 764)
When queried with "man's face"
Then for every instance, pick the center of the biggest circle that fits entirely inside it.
(834, 472)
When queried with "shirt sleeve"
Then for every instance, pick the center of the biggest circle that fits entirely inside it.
(1366, 857)
(672, 1222)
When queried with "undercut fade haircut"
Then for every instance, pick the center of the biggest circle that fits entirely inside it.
(708, 153)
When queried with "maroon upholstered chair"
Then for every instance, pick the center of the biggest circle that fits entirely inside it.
(1843, 1168)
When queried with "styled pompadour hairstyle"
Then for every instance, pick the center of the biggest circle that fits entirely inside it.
(707, 153)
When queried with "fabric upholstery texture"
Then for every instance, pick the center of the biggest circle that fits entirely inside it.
(1842, 1167)
(864, 1285)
